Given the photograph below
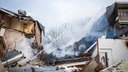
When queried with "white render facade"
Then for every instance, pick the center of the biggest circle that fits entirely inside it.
(112, 51)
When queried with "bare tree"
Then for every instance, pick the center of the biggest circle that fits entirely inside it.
(56, 35)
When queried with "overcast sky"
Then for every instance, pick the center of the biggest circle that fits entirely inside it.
(56, 12)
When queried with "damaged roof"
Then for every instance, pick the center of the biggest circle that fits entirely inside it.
(14, 14)
(20, 16)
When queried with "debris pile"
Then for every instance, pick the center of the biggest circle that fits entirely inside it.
(21, 50)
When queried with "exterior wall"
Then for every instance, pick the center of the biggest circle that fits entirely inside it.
(10, 38)
(116, 50)
(7, 21)
(1, 19)
(24, 26)
(15, 24)
(38, 35)
(0, 15)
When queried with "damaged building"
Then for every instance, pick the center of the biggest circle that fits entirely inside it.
(21, 23)
(113, 52)
(16, 28)
(108, 55)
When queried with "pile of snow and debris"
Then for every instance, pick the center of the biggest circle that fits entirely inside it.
(76, 37)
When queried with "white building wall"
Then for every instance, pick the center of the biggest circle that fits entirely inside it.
(116, 49)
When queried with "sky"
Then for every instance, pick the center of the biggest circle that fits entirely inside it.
(56, 12)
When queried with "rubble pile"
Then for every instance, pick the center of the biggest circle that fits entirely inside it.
(21, 47)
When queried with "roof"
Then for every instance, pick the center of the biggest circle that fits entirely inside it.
(20, 16)
(10, 12)
(16, 14)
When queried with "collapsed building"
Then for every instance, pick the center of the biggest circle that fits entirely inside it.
(15, 28)
(109, 55)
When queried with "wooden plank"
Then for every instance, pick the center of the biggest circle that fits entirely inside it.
(72, 64)
(38, 35)
(90, 66)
